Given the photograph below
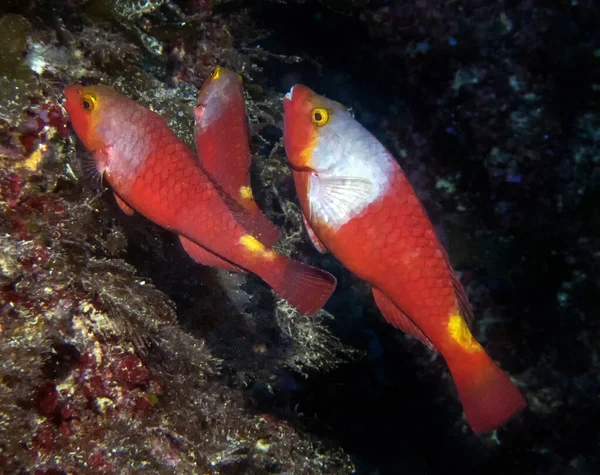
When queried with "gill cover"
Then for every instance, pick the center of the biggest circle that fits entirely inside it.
(84, 106)
(338, 164)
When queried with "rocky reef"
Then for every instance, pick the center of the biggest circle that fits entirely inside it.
(120, 355)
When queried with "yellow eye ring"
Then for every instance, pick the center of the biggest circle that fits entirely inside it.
(319, 116)
(88, 102)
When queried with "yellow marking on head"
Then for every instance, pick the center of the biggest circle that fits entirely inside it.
(460, 333)
(256, 247)
(306, 153)
(246, 193)
(217, 72)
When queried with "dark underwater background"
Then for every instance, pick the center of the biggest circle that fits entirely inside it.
(119, 355)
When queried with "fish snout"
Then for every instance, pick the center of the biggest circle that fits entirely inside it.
(72, 94)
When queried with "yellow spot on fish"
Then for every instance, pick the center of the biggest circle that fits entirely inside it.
(246, 193)
(256, 247)
(460, 333)
(217, 72)
(306, 154)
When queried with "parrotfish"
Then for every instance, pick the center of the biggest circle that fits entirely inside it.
(154, 173)
(358, 204)
(222, 145)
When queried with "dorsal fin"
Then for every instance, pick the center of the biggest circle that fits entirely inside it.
(394, 315)
(464, 305)
(466, 310)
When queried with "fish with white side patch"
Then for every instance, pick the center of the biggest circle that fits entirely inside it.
(358, 204)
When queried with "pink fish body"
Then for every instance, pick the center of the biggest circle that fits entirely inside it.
(222, 143)
(153, 172)
(358, 204)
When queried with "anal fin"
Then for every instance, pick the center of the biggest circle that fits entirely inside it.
(128, 210)
(399, 319)
(319, 246)
(207, 258)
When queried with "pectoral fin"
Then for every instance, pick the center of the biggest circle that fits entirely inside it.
(207, 258)
(335, 200)
(398, 318)
(128, 210)
(319, 246)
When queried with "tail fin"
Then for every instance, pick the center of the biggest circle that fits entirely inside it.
(488, 396)
(305, 287)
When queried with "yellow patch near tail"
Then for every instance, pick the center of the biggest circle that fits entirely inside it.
(461, 334)
(256, 247)
(246, 193)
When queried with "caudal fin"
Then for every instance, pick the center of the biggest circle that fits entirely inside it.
(488, 396)
(305, 287)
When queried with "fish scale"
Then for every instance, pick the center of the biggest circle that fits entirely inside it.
(358, 204)
(222, 144)
(414, 286)
(154, 173)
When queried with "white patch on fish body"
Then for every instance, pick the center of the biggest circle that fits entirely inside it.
(207, 113)
(125, 131)
(352, 170)
(214, 99)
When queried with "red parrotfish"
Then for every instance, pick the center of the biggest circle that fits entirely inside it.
(154, 173)
(222, 145)
(358, 204)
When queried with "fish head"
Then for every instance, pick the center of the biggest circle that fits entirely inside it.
(221, 89)
(313, 128)
(86, 107)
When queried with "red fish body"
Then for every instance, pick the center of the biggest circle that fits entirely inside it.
(153, 172)
(222, 146)
(358, 204)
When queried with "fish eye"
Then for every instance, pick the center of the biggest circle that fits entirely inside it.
(320, 116)
(88, 102)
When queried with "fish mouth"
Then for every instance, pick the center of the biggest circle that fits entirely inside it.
(71, 96)
(289, 95)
